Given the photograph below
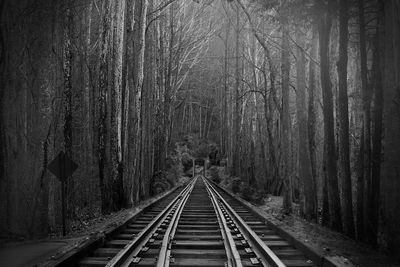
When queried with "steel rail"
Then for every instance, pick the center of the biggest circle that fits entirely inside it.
(232, 253)
(125, 256)
(266, 256)
(165, 251)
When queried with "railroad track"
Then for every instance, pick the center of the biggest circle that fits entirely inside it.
(198, 225)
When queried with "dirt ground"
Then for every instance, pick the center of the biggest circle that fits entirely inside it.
(332, 244)
(337, 247)
(39, 252)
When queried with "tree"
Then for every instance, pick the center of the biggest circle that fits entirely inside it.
(324, 29)
(311, 111)
(68, 186)
(304, 161)
(285, 117)
(236, 116)
(103, 156)
(135, 97)
(366, 95)
(128, 103)
(3, 52)
(344, 146)
(390, 182)
(378, 66)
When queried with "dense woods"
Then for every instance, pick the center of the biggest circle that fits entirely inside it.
(295, 98)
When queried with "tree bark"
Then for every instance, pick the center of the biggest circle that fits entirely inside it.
(147, 110)
(377, 67)
(128, 103)
(225, 139)
(324, 29)
(136, 111)
(366, 117)
(344, 144)
(5, 182)
(360, 190)
(312, 113)
(68, 185)
(3, 67)
(105, 187)
(304, 161)
(285, 118)
(115, 104)
(390, 181)
(236, 127)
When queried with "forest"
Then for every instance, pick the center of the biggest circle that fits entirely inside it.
(294, 98)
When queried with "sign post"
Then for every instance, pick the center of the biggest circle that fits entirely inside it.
(194, 169)
(62, 167)
(64, 230)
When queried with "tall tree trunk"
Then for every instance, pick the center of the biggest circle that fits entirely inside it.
(105, 187)
(324, 29)
(344, 146)
(168, 85)
(225, 138)
(311, 113)
(90, 153)
(285, 118)
(128, 103)
(390, 182)
(2, 86)
(366, 117)
(235, 157)
(4, 180)
(304, 161)
(147, 113)
(377, 132)
(325, 216)
(115, 104)
(360, 190)
(137, 112)
(68, 185)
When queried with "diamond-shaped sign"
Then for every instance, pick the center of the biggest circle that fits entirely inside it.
(62, 166)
